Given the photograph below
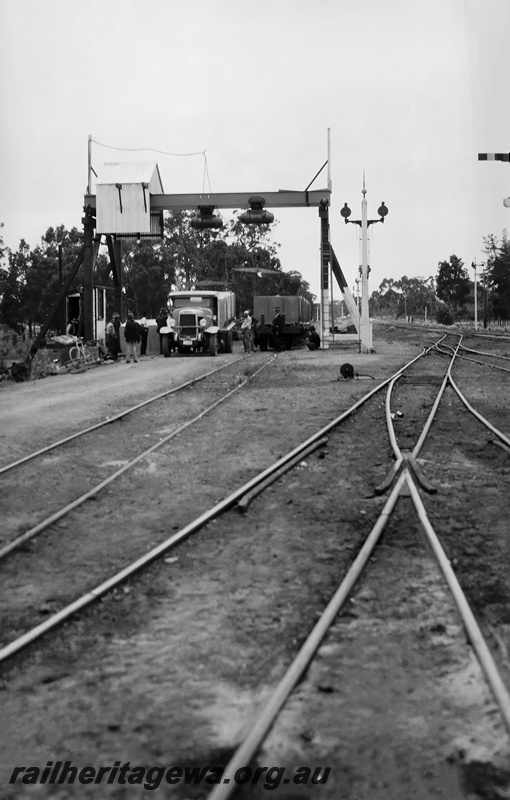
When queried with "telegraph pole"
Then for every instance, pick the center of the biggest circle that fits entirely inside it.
(475, 265)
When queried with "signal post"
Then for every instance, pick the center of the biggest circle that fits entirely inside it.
(364, 223)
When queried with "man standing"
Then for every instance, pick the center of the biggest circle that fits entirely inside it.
(144, 332)
(246, 329)
(161, 323)
(116, 325)
(132, 337)
(112, 341)
(277, 329)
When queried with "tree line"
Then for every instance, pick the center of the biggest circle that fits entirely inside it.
(449, 295)
(239, 258)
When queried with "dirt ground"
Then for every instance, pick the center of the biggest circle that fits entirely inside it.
(170, 668)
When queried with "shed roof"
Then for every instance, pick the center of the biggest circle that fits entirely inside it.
(131, 172)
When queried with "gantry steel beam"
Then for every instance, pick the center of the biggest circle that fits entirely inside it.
(280, 199)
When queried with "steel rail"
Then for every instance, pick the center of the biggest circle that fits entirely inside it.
(474, 360)
(470, 408)
(108, 421)
(435, 406)
(479, 416)
(482, 353)
(484, 363)
(88, 598)
(501, 338)
(399, 456)
(436, 329)
(391, 430)
(264, 721)
(474, 633)
(244, 503)
(41, 526)
(389, 424)
(399, 459)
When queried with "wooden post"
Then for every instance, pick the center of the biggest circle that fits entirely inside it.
(88, 275)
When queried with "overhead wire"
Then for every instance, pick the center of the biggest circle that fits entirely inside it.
(162, 152)
(152, 149)
(206, 173)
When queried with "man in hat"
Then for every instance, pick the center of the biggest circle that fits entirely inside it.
(161, 323)
(112, 341)
(314, 340)
(277, 328)
(132, 337)
(246, 329)
(116, 325)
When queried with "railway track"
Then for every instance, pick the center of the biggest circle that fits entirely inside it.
(177, 427)
(161, 548)
(406, 474)
(106, 422)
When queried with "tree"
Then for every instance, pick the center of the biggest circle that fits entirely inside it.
(497, 277)
(3, 249)
(148, 276)
(12, 281)
(184, 258)
(229, 259)
(385, 300)
(30, 283)
(453, 285)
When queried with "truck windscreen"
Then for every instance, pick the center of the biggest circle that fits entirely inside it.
(186, 302)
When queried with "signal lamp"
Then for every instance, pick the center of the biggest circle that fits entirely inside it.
(206, 219)
(345, 212)
(256, 214)
(382, 211)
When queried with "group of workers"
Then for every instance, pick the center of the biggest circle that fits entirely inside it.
(136, 333)
(254, 334)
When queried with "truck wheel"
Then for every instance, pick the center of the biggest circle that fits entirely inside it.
(213, 344)
(229, 342)
(166, 345)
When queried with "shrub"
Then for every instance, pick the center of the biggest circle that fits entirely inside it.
(444, 315)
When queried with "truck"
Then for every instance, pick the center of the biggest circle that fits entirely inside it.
(297, 312)
(202, 322)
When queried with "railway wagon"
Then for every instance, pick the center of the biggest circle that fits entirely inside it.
(203, 322)
(297, 312)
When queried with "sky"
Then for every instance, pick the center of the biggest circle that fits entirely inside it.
(410, 91)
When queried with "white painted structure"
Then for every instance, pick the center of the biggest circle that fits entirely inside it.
(123, 199)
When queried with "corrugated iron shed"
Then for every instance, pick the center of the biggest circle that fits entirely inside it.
(123, 193)
(132, 172)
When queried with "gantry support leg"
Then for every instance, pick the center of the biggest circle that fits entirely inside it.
(88, 274)
(114, 253)
(325, 280)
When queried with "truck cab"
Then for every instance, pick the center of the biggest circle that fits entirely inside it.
(202, 322)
